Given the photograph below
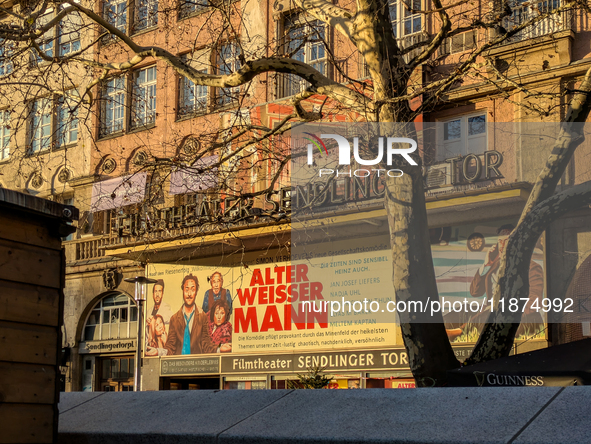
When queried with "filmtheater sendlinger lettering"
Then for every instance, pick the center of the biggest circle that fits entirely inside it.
(236, 208)
(382, 359)
(338, 360)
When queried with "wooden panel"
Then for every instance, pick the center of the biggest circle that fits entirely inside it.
(22, 423)
(27, 383)
(29, 264)
(28, 303)
(28, 343)
(27, 231)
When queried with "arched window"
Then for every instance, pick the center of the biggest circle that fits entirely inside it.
(113, 317)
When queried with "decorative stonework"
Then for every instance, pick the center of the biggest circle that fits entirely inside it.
(37, 181)
(191, 146)
(109, 165)
(111, 279)
(64, 175)
(140, 158)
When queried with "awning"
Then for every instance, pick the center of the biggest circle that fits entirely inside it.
(198, 177)
(119, 192)
(558, 366)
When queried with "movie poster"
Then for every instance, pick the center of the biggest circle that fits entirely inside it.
(337, 296)
(270, 305)
(466, 260)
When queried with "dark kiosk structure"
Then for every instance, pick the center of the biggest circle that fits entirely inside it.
(32, 278)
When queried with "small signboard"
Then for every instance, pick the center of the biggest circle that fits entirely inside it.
(189, 366)
(108, 346)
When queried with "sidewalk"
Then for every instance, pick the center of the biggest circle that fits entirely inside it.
(442, 415)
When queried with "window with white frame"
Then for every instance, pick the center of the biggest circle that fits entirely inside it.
(305, 42)
(462, 135)
(192, 97)
(67, 121)
(69, 31)
(459, 43)
(113, 317)
(406, 17)
(113, 106)
(144, 97)
(4, 134)
(146, 14)
(66, 33)
(45, 42)
(6, 52)
(228, 61)
(115, 12)
(53, 122)
(40, 124)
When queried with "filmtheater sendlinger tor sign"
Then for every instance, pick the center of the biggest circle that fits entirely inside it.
(296, 362)
(359, 360)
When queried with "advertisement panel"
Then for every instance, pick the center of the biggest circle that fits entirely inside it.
(118, 192)
(340, 298)
(189, 366)
(466, 260)
(342, 170)
(274, 307)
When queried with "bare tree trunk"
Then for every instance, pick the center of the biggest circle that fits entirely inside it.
(429, 350)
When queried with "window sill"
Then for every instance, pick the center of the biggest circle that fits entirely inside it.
(139, 32)
(47, 150)
(108, 40)
(527, 43)
(68, 54)
(226, 106)
(530, 53)
(111, 135)
(65, 146)
(189, 116)
(213, 3)
(40, 64)
(37, 153)
(192, 14)
(139, 129)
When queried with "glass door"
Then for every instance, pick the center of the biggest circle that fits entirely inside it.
(117, 374)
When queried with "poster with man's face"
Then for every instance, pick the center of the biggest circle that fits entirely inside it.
(273, 304)
(193, 297)
(466, 260)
